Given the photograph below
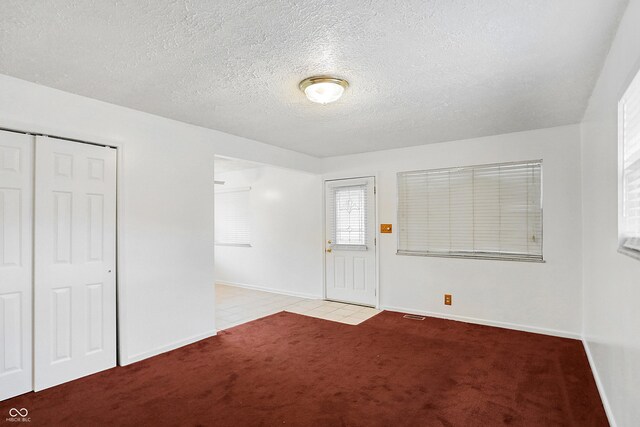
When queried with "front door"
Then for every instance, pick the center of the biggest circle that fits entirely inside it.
(350, 255)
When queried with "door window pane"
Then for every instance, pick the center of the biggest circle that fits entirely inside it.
(350, 215)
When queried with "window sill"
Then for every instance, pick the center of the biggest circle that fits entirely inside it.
(238, 245)
(484, 257)
(629, 252)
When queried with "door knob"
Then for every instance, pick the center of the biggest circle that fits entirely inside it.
(328, 250)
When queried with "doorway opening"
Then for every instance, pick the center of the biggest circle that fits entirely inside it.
(268, 225)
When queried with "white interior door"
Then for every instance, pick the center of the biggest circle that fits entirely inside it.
(16, 195)
(75, 260)
(350, 255)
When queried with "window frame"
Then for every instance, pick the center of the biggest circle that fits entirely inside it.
(363, 207)
(246, 190)
(623, 235)
(370, 232)
(494, 256)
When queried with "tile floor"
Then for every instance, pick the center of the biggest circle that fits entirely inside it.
(239, 305)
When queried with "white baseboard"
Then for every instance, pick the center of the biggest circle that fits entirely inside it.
(596, 376)
(268, 289)
(505, 325)
(172, 346)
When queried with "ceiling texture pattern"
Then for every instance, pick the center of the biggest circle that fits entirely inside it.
(420, 71)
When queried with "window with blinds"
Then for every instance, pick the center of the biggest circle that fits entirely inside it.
(629, 135)
(232, 217)
(487, 211)
(348, 216)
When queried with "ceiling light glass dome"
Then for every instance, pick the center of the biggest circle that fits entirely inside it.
(323, 89)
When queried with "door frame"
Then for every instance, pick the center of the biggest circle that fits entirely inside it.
(376, 233)
(121, 341)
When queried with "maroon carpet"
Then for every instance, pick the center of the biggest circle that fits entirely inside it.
(294, 370)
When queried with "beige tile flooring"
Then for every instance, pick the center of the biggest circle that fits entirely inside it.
(236, 305)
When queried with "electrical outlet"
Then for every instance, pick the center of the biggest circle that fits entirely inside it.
(447, 299)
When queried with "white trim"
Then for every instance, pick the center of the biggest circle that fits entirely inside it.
(497, 324)
(165, 348)
(599, 385)
(231, 190)
(121, 305)
(377, 237)
(268, 289)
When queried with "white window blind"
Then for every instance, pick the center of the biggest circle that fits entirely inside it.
(348, 216)
(488, 211)
(232, 217)
(629, 119)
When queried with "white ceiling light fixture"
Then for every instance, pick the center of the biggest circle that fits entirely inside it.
(323, 89)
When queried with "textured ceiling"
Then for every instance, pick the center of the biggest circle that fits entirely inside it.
(420, 71)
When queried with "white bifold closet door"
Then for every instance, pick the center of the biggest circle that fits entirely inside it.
(16, 187)
(75, 260)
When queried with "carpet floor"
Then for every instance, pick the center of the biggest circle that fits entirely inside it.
(288, 369)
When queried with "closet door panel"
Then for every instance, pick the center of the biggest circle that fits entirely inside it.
(75, 287)
(16, 195)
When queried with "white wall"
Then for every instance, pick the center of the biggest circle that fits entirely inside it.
(531, 296)
(611, 279)
(286, 233)
(166, 274)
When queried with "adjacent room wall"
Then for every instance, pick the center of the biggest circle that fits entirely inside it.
(611, 280)
(286, 233)
(530, 296)
(165, 274)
